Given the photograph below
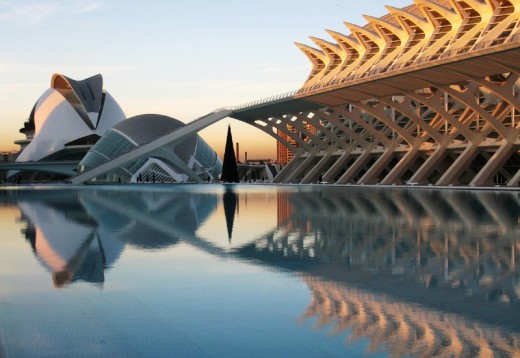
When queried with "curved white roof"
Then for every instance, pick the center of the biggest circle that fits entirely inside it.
(146, 127)
(68, 111)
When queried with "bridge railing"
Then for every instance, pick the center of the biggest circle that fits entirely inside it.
(257, 102)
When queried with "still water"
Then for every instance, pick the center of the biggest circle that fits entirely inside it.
(259, 271)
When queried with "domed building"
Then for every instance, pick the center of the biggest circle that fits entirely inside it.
(191, 160)
(77, 125)
(66, 121)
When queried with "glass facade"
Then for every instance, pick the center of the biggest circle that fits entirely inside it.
(111, 145)
(208, 158)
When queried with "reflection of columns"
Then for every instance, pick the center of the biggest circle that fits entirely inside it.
(446, 256)
(478, 260)
(465, 245)
(418, 248)
(350, 244)
(404, 329)
(394, 243)
(513, 253)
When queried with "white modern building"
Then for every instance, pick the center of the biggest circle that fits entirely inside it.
(69, 116)
(189, 160)
(78, 122)
(64, 123)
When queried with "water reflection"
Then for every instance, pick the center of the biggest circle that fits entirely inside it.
(459, 240)
(230, 207)
(420, 273)
(64, 239)
(78, 234)
(417, 272)
(404, 328)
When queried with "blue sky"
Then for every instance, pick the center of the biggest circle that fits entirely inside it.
(178, 58)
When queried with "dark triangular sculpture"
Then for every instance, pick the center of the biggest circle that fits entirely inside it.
(229, 167)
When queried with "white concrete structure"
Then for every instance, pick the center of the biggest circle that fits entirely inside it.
(191, 159)
(426, 94)
(70, 114)
(147, 150)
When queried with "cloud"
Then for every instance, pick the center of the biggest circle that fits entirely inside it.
(90, 6)
(27, 14)
(35, 12)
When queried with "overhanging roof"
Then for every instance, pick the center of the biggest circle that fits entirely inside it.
(445, 71)
(274, 109)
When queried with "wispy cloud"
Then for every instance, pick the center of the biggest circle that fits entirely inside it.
(89, 6)
(36, 12)
(27, 14)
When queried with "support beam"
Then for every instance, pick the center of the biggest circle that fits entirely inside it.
(394, 176)
(355, 167)
(429, 165)
(485, 175)
(370, 177)
(452, 175)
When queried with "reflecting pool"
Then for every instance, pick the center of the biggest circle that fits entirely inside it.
(258, 271)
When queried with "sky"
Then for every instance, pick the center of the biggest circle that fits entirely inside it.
(182, 59)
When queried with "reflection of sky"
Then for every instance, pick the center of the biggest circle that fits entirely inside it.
(371, 261)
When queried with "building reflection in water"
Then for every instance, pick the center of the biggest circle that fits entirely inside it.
(406, 268)
(78, 234)
(417, 272)
(64, 238)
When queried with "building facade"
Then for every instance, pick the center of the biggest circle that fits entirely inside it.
(426, 94)
(191, 160)
(67, 119)
(65, 122)
(79, 122)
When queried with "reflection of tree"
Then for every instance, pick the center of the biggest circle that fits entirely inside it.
(230, 199)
